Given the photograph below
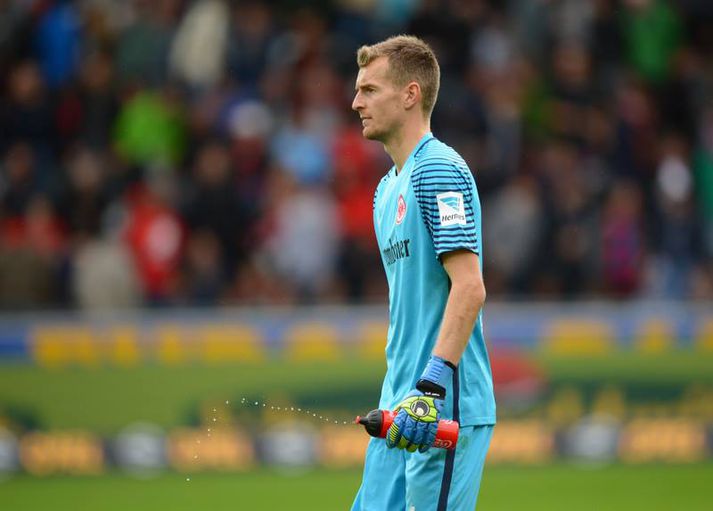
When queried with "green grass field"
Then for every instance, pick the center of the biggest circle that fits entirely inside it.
(550, 488)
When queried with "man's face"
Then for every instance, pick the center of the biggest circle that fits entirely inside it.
(378, 101)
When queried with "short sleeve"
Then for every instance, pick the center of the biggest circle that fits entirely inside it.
(445, 196)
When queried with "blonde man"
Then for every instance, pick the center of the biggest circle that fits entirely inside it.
(427, 223)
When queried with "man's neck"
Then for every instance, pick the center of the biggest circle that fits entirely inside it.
(402, 143)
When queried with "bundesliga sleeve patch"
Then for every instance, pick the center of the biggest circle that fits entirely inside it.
(451, 208)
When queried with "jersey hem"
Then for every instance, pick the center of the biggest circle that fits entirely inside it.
(487, 420)
(439, 254)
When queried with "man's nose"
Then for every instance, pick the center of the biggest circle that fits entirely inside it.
(357, 102)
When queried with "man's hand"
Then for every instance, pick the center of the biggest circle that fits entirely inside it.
(416, 422)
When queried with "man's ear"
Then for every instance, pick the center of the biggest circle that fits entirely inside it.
(412, 95)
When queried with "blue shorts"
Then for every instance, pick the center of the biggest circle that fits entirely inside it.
(437, 480)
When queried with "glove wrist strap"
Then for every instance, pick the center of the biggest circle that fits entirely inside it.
(431, 389)
(435, 377)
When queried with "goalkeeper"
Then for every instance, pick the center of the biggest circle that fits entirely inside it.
(427, 223)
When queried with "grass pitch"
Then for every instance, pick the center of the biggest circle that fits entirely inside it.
(549, 488)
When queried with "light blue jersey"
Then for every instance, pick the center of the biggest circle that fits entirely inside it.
(429, 208)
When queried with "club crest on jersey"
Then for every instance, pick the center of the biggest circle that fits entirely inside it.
(451, 209)
(400, 210)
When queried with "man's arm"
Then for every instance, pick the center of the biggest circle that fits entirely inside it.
(465, 299)
(416, 423)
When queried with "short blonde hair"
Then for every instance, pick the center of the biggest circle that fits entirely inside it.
(410, 59)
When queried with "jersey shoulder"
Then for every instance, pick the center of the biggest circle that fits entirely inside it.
(439, 159)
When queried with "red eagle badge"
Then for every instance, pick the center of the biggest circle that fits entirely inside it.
(400, 210)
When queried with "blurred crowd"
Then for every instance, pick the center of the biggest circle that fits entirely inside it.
(177, 152)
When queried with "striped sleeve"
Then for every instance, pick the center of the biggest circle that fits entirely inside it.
(445, 197)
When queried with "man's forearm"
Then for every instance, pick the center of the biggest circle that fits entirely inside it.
(464, 303)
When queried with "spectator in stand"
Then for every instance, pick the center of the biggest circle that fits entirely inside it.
(143, 45)
(212, 204)
(251, 38)
(32, 237)
(302, 245)
(19, 181)
(155, 237)
(92, 108)
(653, 32)
(104, 276)
(570, 226)
(678, 235)
(58, 39)
(15, 34)
(514, 233)
(25, 110)
(622, 241)
(150, 129)
(703, 168)
(198, 51)
(203, 275)
(86, 196)
(356, 172)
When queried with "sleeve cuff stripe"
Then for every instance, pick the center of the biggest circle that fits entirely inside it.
(441, 160)
(455, 239)
(440, 247)
(443, 250)
(435, 182)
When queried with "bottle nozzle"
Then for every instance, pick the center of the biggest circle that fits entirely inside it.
(372, 422)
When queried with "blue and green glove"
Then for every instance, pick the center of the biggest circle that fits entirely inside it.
(416, 422)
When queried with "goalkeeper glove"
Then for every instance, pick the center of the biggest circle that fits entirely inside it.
(417, 417)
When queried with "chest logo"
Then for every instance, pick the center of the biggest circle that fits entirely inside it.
(396, 250)
(400, 210)
(451, 208)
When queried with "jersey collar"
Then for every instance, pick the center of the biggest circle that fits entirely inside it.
(414, 153)
(424, 140)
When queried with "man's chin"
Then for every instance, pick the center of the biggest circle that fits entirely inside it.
(371, 134)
